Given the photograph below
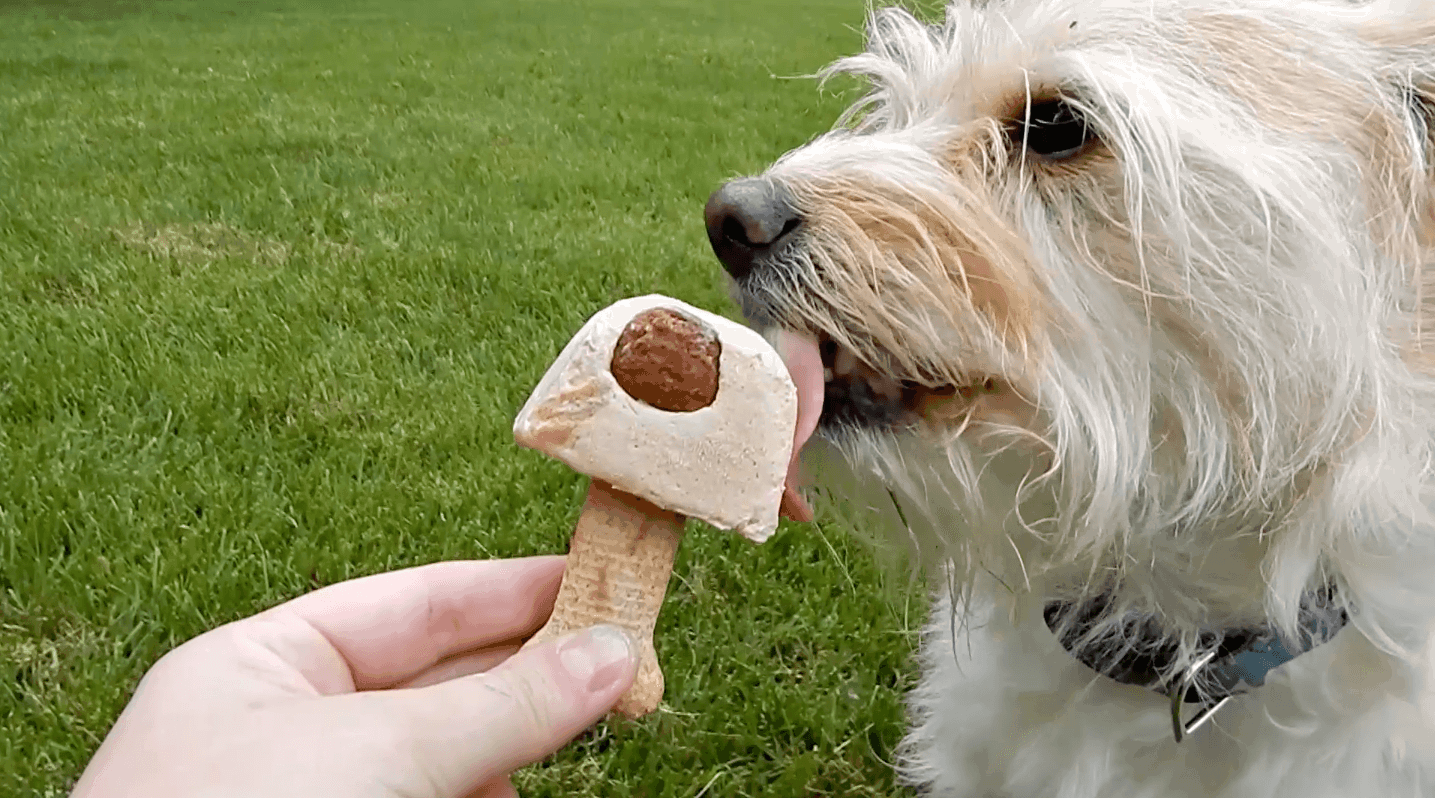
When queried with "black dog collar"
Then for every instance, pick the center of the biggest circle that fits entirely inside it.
(1235, 660)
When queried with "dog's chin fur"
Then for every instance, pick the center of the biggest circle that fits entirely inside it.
(1211, 339)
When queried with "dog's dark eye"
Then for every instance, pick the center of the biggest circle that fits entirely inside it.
(1053, 129)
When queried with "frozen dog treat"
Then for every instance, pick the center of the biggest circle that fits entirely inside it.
(674, 412)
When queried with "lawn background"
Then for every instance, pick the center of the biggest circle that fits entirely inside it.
(274, 278)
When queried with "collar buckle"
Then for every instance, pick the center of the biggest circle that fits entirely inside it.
(1179, 727)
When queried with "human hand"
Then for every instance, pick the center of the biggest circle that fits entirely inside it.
(400, 684)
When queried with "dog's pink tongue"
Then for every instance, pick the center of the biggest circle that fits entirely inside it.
(804, 363)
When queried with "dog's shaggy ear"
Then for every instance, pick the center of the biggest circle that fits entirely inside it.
(1404, 32)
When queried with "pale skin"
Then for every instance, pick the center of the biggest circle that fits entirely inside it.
(401, 685)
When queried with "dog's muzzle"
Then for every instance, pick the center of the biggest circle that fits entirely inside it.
(750, 221)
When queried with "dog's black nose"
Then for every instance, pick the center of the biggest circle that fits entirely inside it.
(747, 219)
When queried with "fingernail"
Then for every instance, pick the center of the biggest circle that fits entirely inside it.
(597, 657)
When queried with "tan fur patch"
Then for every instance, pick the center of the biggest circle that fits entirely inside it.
(1411, 43)
(1286, 90)
(910, 251)
(1255, 63)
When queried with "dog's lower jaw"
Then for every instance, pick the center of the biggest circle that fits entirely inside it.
(1003, 712)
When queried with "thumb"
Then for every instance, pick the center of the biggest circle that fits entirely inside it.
(481, 727)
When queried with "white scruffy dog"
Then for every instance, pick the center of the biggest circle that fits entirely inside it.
(1121, 311)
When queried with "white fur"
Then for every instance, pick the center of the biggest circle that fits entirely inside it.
(1213, 334)
(1004, 711)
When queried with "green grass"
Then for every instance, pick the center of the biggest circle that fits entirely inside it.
(274, 278)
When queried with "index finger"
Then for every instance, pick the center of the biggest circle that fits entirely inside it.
(392, 626)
